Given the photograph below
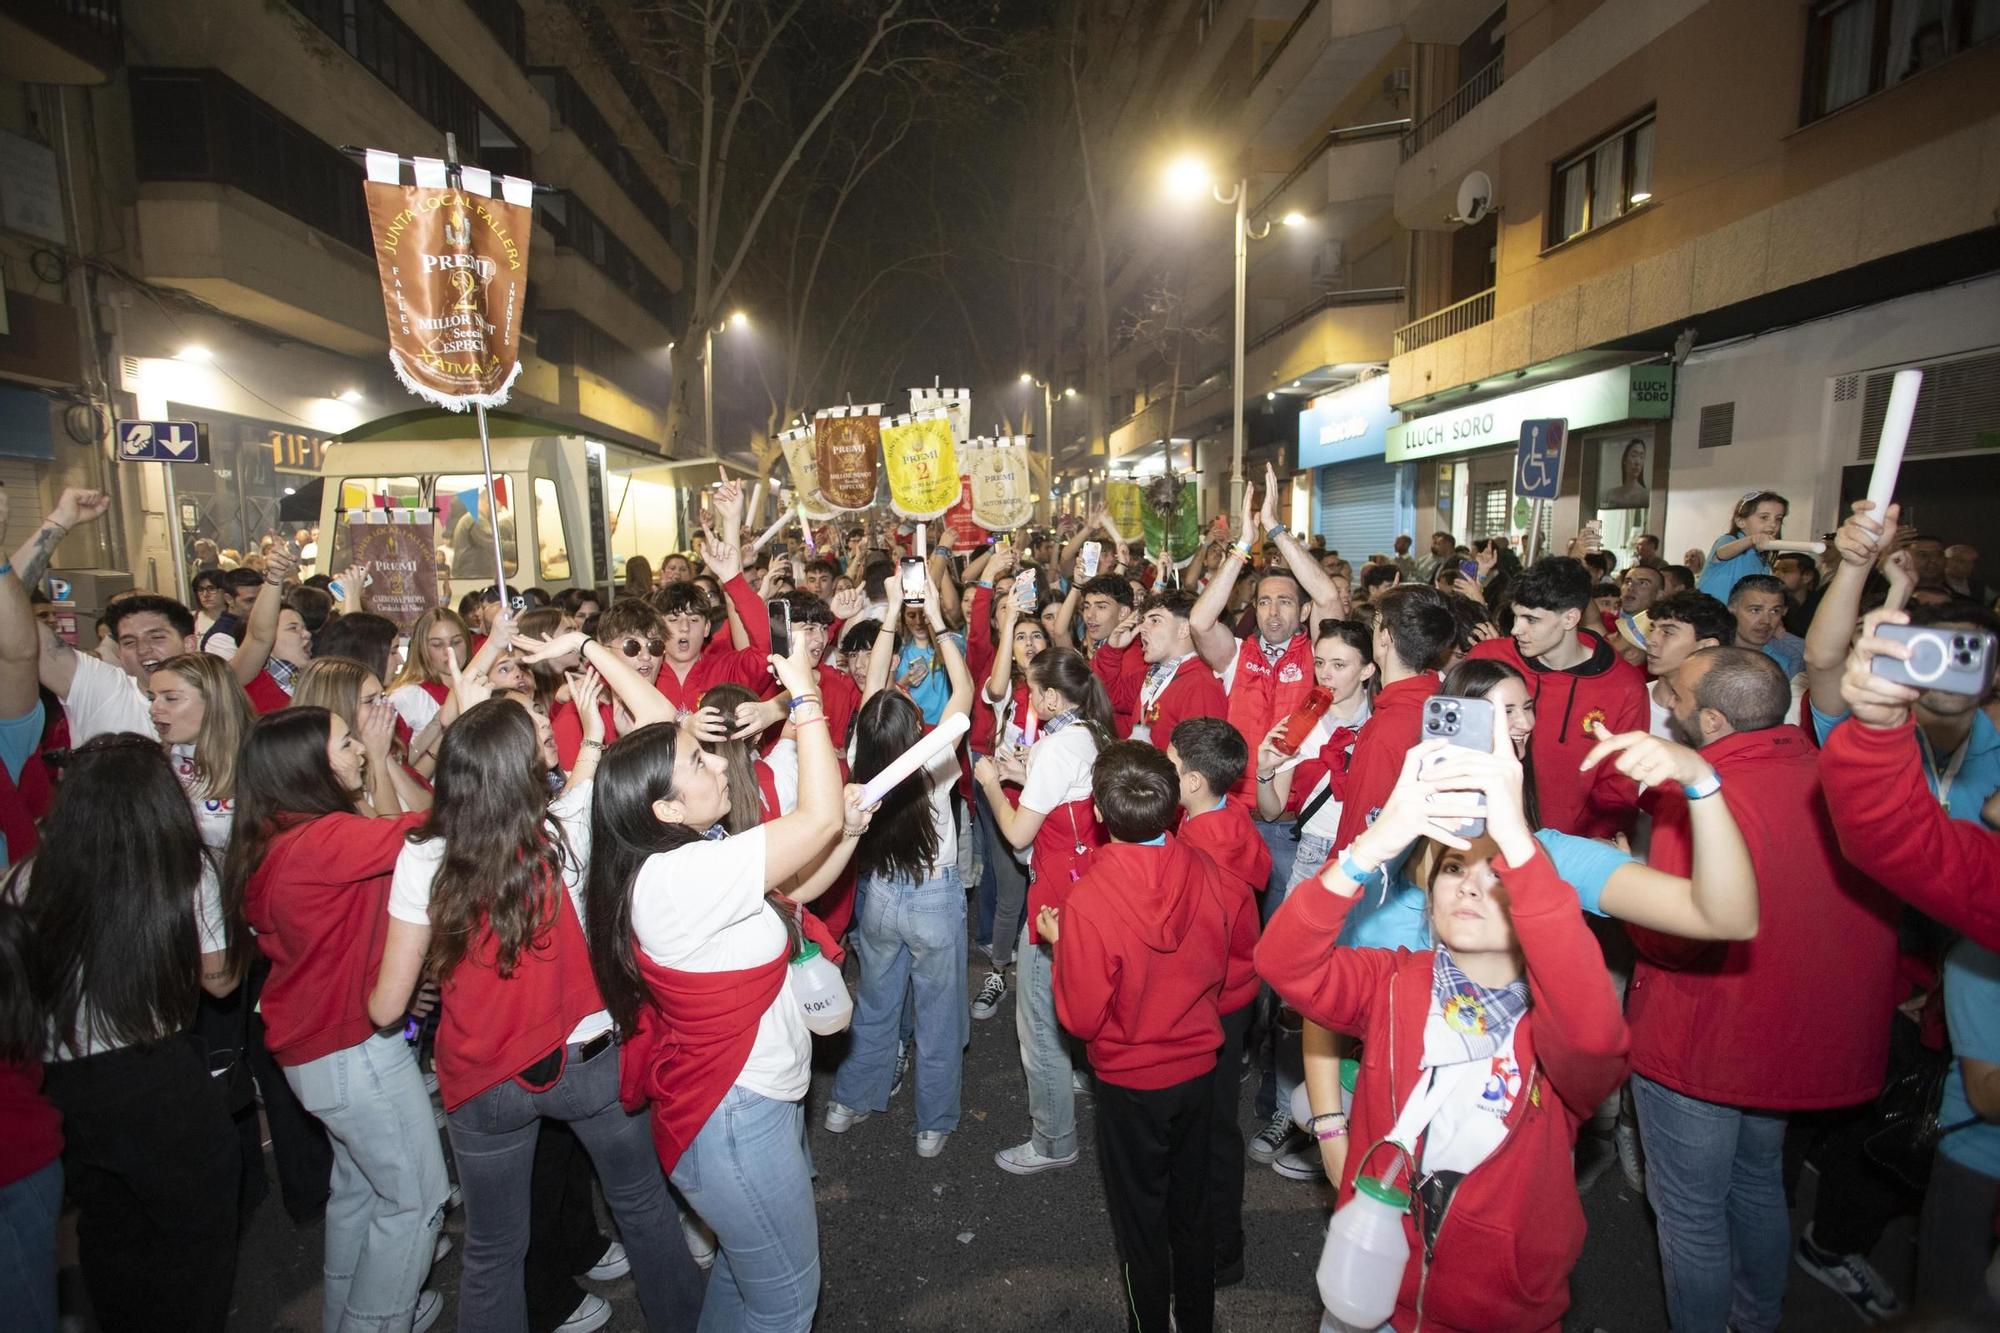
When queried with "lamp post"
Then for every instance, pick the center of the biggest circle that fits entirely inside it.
(739, 320)
(1049, 428)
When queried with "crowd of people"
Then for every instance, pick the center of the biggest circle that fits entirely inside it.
(535, 904)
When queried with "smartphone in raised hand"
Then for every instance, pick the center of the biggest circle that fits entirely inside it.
(1467, 724)
(779, 609)
(911, 571)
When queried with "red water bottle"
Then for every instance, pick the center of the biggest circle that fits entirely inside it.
(1303, 719)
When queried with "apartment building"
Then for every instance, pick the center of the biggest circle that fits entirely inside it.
(185, 238)
(1705, 233)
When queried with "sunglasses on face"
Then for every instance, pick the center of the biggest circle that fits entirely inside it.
(652, 647)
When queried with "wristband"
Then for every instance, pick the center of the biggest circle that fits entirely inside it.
(1708, 786)
(808, 721)
(796, 701)
(1326, 1135)
(1241, 548)
(588, 744)
(1366, 878)
(6, 566)
(1263, 781)
(1271, 533)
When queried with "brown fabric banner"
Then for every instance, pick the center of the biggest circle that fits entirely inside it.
(848, 447)
(454, 266)
(401, 560)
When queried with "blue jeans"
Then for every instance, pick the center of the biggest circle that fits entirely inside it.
(1003, 886)
(1715, 1178)
(493, 1141)
(28, 1210)
(389, 1185)
(908, 936)
(746, 1175)
(1044, 1050)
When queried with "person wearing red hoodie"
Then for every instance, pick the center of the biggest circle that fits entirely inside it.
(1210, 756)
(1718, 1030)
(1141, 955)
(1579, 683)
(1481, 1056)
(1166, 679)
(1414, 629)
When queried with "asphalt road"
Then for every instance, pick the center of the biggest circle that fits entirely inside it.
(955, 1243)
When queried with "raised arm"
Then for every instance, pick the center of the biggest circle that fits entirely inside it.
(882, 656)
(795, 841)
(76, 506)
(1000, 678)
(1860, 542)
(955, 669)
(1329, 600)
(261, 633)
(1212, 638)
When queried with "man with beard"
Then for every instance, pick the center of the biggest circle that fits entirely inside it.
(1165, 681)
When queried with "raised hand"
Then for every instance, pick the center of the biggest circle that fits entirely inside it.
(1863, 538)
(1875, 701)
(1647, 759)
(279, 565)
(468, 691)
(707, 725)
(377, 719)
(1269, 512)
(554, 645)
(847, 603)
(796, 672)
(1269, 757)
(753, 719)
(79, 505)
(586, 691)
(1125, 631)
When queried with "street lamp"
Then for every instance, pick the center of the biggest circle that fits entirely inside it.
(1188, 177)
(1048, 422)
(739, 320)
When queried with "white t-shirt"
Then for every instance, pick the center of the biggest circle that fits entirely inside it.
(1662, 724)
(220, 645)
(1325, 821)
(417, 866)
(783, 762)
(414, 705)
(1058, 770)
(701, 908)
(103, 699)
(214, 818)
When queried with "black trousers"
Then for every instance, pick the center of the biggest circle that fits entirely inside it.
(1225, 1161)
(299, 1146)
(150, 1156)
(1154, 1149)
(1857, 1199)
(563, 1239)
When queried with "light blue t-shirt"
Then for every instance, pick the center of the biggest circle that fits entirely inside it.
(18, 738)
(1978, 775)
(1399, 919)
(933, 692)
(1788, 651)
(1718, 577)
(1972, 1013)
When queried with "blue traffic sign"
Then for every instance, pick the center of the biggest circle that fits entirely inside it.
(1538, 459)
(161, 442)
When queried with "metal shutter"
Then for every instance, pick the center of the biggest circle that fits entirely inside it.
(1357, 508)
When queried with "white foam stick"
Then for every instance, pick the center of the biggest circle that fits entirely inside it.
(1895, 434)
(769, 533)
(1806, 548)
(923, 540)
(756, 505)
(941, 738)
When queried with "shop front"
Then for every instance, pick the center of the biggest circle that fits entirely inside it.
(1614, 466)
(1359, 500)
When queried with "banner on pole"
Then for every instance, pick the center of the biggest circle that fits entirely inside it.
(1126, 503)
(957, 405)
(922, 462)
(1171, 518)
(398, 549)
(959, 520)
(847, 442)
(453, 260)
(802, 457)
(1003, 489)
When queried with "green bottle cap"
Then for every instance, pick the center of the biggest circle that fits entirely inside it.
(807, 952)
(1382, 1192)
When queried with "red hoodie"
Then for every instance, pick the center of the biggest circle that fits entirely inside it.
(748, 667)
(1797, 1018)
(1391, 730)
(1241, 864)
(1140, 958)
(1514, 1227)
(1893, 830)
(1194, 691)
(1603, 688)
(1123, 671)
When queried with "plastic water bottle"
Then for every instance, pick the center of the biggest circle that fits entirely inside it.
(821, 991)
(1361, 1265)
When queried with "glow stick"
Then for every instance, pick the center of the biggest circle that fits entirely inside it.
(805, 531)
(941, 738)
(1805, 548)
(769, 533)
(923, 541)
(1895, 434)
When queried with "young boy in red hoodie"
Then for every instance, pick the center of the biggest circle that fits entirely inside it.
(1141, 953)
(1210, 756)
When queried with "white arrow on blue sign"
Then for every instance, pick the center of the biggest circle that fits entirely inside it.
(161, 442)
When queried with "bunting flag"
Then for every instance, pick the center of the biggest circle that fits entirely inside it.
(453, 260)
(847, 443)
(922, 462)
(1001, 474)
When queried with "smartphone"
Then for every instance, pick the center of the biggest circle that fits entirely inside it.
(1087, 561)
(1469, 568)
(911, 572)
(780, 612)
(1468, 724)
(1954, 661)
(1024, 590)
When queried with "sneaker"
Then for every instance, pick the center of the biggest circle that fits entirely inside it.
(1300, 1162)
(1228, 1272)
(930, 1142)
(902, 1070)
(1023, 1160)
(1079, 1082)
(613, 1263)
(443, 1248)
(1596, 1152)
(991, 992)
(840, 1119)
(700, 1240)
(1270, 1140)
(591, 1314)
(430, 1305)
(1631, 1155)
(1852, 1276)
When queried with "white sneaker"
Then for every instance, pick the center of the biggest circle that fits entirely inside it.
(700, 1240)
(591, 1314)
(840, 1119)
(930, 1142)
(443, 1248)
(429, 1306)
(1023, 1160)
(613, 1263)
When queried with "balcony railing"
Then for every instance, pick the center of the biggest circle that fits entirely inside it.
(1271, 57)
(1467, 314)
(1326, 301)
(1469, 95)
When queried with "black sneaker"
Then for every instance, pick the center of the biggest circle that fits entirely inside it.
(991, 992)
(1852, 1276)
(1271, 1139)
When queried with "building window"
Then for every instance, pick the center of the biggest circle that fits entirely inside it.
(1603, 182)
(1858, 47)
(1489, 510)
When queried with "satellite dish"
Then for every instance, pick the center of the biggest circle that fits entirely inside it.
(1475, 197)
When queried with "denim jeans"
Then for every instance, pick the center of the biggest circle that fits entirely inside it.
(908, 937)
(389, 1185)
(1281, 1065)
(1715, 1178)
(1002, 921)
(1044, 1051)
(28, 1209)
(746, 1175)
(493, 1141)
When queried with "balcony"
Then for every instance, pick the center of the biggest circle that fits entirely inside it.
(1473, 311)
(1330, 50)
(1469, 95)
(61, 41)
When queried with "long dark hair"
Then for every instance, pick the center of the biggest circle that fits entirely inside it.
(111, 898)
(1475, 678)
(902, 839)
(502, 871)
(637, 769)
(283, 779)
(746, 811)
(22, 1030)
(1065, 671)
(363, 636)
